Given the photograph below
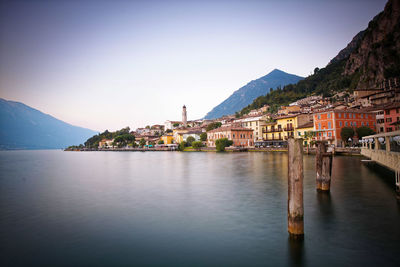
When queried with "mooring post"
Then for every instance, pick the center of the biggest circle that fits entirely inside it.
(321, 149)
(326, 172)
(323, 167)
(295, 188)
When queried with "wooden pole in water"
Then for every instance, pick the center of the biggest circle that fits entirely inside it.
(321, 149)
(295, 188)
(323, 167)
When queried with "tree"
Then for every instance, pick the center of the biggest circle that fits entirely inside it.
(213, 125)
(346, 133)
(181, 146)
(142, 142)
(175, 124)
(197, 145)
(203, 137)
(161, 142)
(364, 131)
(168, 131)
(148, 127)
(222, 143)
(190, 140)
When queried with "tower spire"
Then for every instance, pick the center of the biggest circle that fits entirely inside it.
(184, 116)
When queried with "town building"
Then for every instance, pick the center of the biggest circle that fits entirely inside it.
(256, 123)
(328, 124)
(167, 139)
(106, 143)
(284, 127)
(305, 131)
(241, 137)
(392, 117)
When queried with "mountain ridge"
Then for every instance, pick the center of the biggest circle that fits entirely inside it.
(24, 127)
(247, 93)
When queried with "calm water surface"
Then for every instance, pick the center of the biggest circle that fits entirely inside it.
(189, 209)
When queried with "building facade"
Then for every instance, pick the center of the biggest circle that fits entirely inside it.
(328, 124)
(241, 137)
(392, 116)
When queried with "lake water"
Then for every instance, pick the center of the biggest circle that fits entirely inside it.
(189, 209)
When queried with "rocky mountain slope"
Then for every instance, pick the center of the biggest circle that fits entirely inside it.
(378, 55)
(246, 94)
(371, 57)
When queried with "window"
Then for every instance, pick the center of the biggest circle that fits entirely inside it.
(344, 115)
(345, 124)
(319, 116)
(340, 124)
(387, 112)
(329, 115)
(329, 125)
(361, 115)
(340, 115)
(330, 134)
(233, 135)
(299, 133)
(367, 123)
(319, 126)
(355, 124)
(362, 123)
(388, 119)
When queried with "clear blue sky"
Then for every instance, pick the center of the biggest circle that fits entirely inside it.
(110, 64)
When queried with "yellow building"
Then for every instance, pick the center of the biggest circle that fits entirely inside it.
(168, 139)
(178, 135)
(284, 126)
(305, 131)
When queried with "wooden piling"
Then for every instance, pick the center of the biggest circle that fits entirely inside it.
(321, 149)
(295, 188)
(323, 168)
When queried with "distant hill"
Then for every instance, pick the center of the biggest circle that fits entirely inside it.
(245, 95)
(23, 127)
(371, 57)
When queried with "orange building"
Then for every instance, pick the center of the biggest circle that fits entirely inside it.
(328, 124)
(240, 136)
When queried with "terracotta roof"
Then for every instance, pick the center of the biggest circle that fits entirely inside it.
(392, 105)
(221, 129)
(306, 125)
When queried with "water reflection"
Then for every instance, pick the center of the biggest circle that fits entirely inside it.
(296, 251)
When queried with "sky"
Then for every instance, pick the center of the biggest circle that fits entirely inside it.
(111, 64)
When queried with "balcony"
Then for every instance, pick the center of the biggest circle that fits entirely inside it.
(272, 130)
(288, 129)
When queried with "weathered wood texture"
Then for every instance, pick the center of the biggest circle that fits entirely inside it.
(323, 167)
(295, 188)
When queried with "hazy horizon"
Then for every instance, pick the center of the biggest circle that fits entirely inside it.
(106, 65)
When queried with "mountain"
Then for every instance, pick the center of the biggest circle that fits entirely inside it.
(246, 94)
(371, 57)
(23, 127)
(378, 56)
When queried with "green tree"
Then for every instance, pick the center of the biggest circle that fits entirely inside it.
(203, 137)
(175, 124)
(168, 131)
(222, 143)
(181, 146)
(213, 125)
(142, 142)
(197, 145)
(346, 133)
(161, 142)
(190, 140)
(364, 131)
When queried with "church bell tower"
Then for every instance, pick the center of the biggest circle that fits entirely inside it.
(184, 116)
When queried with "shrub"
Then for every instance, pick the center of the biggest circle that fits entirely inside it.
(222, 143)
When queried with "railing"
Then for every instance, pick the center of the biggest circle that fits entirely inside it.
(288, 128)
(273, 130)
(384, 148)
